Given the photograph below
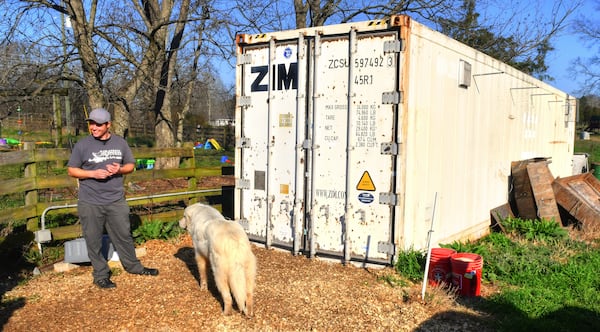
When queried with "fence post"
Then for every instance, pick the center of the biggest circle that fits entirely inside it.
(31, 196)
(192, 181)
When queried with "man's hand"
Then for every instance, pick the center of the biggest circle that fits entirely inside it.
(113, 168)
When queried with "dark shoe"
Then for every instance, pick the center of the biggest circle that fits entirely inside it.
(149, 272)
(105, 283)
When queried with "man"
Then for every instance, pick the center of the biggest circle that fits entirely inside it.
(99, 162)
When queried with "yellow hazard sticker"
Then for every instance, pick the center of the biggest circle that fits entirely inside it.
(365, 183)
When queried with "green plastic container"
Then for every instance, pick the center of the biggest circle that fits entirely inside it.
(12, 141)
(596, 170)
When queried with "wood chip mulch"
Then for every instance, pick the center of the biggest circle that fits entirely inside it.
(293, 293)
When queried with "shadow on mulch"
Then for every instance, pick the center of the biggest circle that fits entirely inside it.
(14, 271)
(187, 255)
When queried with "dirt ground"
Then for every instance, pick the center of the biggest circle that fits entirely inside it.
(293, 293)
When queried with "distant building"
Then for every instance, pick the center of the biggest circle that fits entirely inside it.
(221, 122)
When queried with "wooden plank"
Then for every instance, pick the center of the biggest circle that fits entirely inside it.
(75, 231)
(66, 232)
(500, 213)
(34, 186)
(522, 191)
(541, 183)
(163, 152)
(579, 195)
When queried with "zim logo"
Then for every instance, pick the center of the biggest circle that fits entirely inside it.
(283, 78)
(366, 198)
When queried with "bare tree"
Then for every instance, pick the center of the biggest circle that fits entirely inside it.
(588, 26)
(528, 25)
(509, 36)
(122, 49)
(275, 15)
(153, 54)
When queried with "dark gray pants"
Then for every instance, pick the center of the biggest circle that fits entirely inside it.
(114, 218)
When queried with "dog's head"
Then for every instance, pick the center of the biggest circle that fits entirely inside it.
(198, 213)
(184, 222)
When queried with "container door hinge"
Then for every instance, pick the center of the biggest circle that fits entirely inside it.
(306, 144)
(388, 198)
(244, 59)
(393, 46)
(242, 183)
(386, 248)
(391, 97)
(244, 223)
(244, 101)
(243, 142)
(389, 148)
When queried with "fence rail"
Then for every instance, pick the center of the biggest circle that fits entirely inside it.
(55, 188)
(142, 128)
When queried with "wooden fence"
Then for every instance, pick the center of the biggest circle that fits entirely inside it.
(45, 186)
(141, 128)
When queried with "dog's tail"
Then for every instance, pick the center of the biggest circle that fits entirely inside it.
(242, 272)
(242, 277)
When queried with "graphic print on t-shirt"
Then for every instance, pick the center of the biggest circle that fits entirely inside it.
(104, 155)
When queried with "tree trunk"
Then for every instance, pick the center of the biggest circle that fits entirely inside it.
(120, 123)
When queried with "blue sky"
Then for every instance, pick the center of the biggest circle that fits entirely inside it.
(568, 47)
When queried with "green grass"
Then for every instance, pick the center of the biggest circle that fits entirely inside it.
(31, 135)
(156, 230)
(591, 146)
(546, 280)
(213, 158)
(541, 279)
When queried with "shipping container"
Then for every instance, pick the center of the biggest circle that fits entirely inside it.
(357, 141)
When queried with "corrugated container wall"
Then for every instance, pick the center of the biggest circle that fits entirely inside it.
(351, 139)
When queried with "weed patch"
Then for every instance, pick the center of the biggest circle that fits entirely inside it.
(542, 274)
(156, 230)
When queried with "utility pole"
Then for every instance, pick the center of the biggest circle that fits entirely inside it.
(65, 84)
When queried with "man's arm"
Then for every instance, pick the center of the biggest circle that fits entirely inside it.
(116, 168)
(80, 173)
(111, 169)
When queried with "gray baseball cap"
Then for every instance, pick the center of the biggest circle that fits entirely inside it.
(99, 115)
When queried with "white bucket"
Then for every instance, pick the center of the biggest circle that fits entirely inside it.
(584, 135)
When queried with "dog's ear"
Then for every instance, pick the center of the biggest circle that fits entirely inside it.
(183, 222)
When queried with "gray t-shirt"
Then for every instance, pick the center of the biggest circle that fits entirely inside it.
(89, 154)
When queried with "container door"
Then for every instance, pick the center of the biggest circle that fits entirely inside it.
(270, 155)
(352, 160)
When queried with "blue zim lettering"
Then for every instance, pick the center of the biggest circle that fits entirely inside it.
(283, 78)
(262, 72)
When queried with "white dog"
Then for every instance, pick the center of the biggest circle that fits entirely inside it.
(225, 245)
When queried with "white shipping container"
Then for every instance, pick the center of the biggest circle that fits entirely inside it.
(355, 140)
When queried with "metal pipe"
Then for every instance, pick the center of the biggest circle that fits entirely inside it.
(269, 199)
(311, 162)
(428, 258)
(56, 207)
(349, 147)
(298, 199)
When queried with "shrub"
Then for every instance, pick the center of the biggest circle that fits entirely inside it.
(411, 264)
(156, 230)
